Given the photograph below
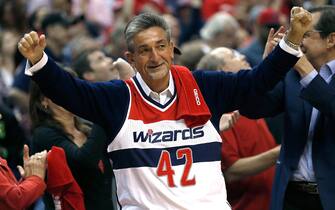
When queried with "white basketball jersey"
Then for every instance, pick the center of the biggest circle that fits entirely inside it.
(160, 163)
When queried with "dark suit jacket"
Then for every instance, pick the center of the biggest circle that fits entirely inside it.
(296, 102)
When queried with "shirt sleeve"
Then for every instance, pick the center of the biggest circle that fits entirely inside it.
(308, 78)
(20, 195)
(30, 70)
(289, 49)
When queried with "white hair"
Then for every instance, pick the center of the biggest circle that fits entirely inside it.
(217, 24)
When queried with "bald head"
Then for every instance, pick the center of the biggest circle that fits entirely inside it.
(223, 59)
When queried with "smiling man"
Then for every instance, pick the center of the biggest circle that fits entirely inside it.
(305, 169)
(162, 123)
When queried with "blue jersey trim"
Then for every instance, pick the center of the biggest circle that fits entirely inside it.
(150, 99)
(133, 158)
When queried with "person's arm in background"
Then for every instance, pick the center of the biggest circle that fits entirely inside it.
(236, 167)
(20, 195)
(249, 166)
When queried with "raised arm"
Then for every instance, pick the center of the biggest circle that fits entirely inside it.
(249, 166)
(104, 103)
(225, 92)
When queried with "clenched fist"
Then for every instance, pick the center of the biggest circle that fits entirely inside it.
(31, 46)
(300, 21)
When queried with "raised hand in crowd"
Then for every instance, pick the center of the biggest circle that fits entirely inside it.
(228, 120)
(273, 40)
(34, 165)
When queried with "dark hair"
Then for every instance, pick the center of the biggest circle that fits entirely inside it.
(43, 116)
(54, 19)
(326, 23)
(81, 64)
(17, 10)
(142, 22)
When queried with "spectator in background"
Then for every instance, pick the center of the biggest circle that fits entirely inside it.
(189, 18)
(221, 30)
(95, 66)
(16, 195)
(83, 35)
(192, 52)
(7, 63)
(268, 18)
(55, 126)
(173, 23)
(7, 52)
(12, 138)
(12, 16)
(116, 46)
(62, 6)
(210, 7)
(305, 169)
(56, 25)
(249, 151)
(36, 18)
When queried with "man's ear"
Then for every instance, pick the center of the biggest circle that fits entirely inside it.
(331, 40)
(172, 49)
(89, 76)
(130, 57)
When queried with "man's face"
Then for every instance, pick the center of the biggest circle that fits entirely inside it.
(102, 66)
(152, 56)
(313, 46)
(59, 33)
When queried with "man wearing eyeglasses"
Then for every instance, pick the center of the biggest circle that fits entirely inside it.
(306, 165)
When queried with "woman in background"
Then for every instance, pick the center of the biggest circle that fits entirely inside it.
(83, 146)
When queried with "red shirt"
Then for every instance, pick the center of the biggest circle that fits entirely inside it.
(245, 139)
(15, 195)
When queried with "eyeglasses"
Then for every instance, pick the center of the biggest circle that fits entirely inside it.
(309, 33)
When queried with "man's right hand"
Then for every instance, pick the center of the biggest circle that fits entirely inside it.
(31, 46)
(300, 22)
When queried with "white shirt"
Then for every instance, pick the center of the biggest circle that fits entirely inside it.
(305, 170)
(162, 97)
